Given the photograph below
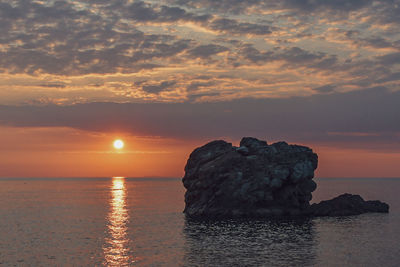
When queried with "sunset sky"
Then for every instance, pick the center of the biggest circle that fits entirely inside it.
(168, 76)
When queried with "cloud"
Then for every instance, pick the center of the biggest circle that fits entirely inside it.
(386, 13)
(298, 45)
(298, 55)
(193, 97)
(293, 57)
(389, 59)
(389, 77)
(337, 5)
(242, 6)
(145, 12)
(325, 88)
(376, 42)
(233, 6)
(206, 51)
(155, 88)
(240, 28)
(355, 38)
(54, 85)
(60, 38)
(194, 86)
(66, 38)
(374, 112)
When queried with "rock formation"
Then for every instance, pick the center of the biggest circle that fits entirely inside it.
(257, 180)
(347, 204)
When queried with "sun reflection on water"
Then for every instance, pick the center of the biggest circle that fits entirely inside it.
(116, 248)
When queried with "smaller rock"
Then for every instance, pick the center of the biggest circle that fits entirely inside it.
(346, 205)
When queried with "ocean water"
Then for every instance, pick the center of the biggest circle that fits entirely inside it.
(139, 222)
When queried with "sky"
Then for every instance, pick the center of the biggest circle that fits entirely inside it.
(168, 76)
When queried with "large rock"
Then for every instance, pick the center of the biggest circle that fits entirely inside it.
(255, 179)
(260, 180)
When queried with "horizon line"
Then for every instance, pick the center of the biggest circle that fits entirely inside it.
(164, 177)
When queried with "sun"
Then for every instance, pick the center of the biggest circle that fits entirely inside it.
(118, 144)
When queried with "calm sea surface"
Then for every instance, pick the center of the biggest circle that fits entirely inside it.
(139, 222)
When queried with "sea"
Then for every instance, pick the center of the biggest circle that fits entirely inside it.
(139, 222)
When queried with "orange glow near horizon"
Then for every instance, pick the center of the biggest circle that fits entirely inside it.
(66, 152)
(347, 162)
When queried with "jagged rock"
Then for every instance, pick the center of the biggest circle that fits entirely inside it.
(347, 204)
(255, 179)
(260, 180)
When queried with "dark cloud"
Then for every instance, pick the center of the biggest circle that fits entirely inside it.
(372, 41)
(158, 87)
(300, 56)
(7, 11)
(205, 51)
(144, 12)
(234, 27)
(389, 77)
(325, 88)
(233, 6)
(377, 42)
(242, 6)
(196, 96)
(194, 86)
(386, 13)
(389, 59)
(53, 85)
(375, 112)
(252, 54)
(338, 5)
(293, 57)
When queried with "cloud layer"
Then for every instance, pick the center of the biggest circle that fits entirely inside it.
(367, 116)
(146, 51)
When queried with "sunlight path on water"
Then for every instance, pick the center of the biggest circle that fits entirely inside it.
(116, 248)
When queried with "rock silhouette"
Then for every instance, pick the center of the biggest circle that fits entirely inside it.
(347, 204)
(260, 180)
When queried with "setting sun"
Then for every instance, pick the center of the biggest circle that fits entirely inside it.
(118, 144)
